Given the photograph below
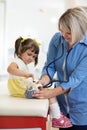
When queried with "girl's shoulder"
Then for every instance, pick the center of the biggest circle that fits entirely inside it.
(19, 62)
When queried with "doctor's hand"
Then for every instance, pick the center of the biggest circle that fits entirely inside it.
(44, 93)
(44, 80)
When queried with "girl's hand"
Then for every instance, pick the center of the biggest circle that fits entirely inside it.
(30, 75)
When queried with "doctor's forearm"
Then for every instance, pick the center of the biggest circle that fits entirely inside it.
(58, 91)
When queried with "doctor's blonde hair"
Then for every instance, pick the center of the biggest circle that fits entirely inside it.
(75, 21)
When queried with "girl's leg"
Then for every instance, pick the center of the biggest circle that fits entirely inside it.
(54, 108)
(58, 119)
(62, 103)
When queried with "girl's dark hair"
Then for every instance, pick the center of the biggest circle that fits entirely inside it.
(21, 45)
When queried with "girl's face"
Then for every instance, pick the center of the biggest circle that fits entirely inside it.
(66, 34)
(28, 56)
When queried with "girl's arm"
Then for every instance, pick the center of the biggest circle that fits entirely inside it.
(14, 70)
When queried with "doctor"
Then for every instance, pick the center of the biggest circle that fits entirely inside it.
(67, 54)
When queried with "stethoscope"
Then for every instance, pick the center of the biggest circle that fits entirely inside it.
(53, 80)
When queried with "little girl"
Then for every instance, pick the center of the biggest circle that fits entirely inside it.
(26, 51)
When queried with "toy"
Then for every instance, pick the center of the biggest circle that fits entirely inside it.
(31, 86)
